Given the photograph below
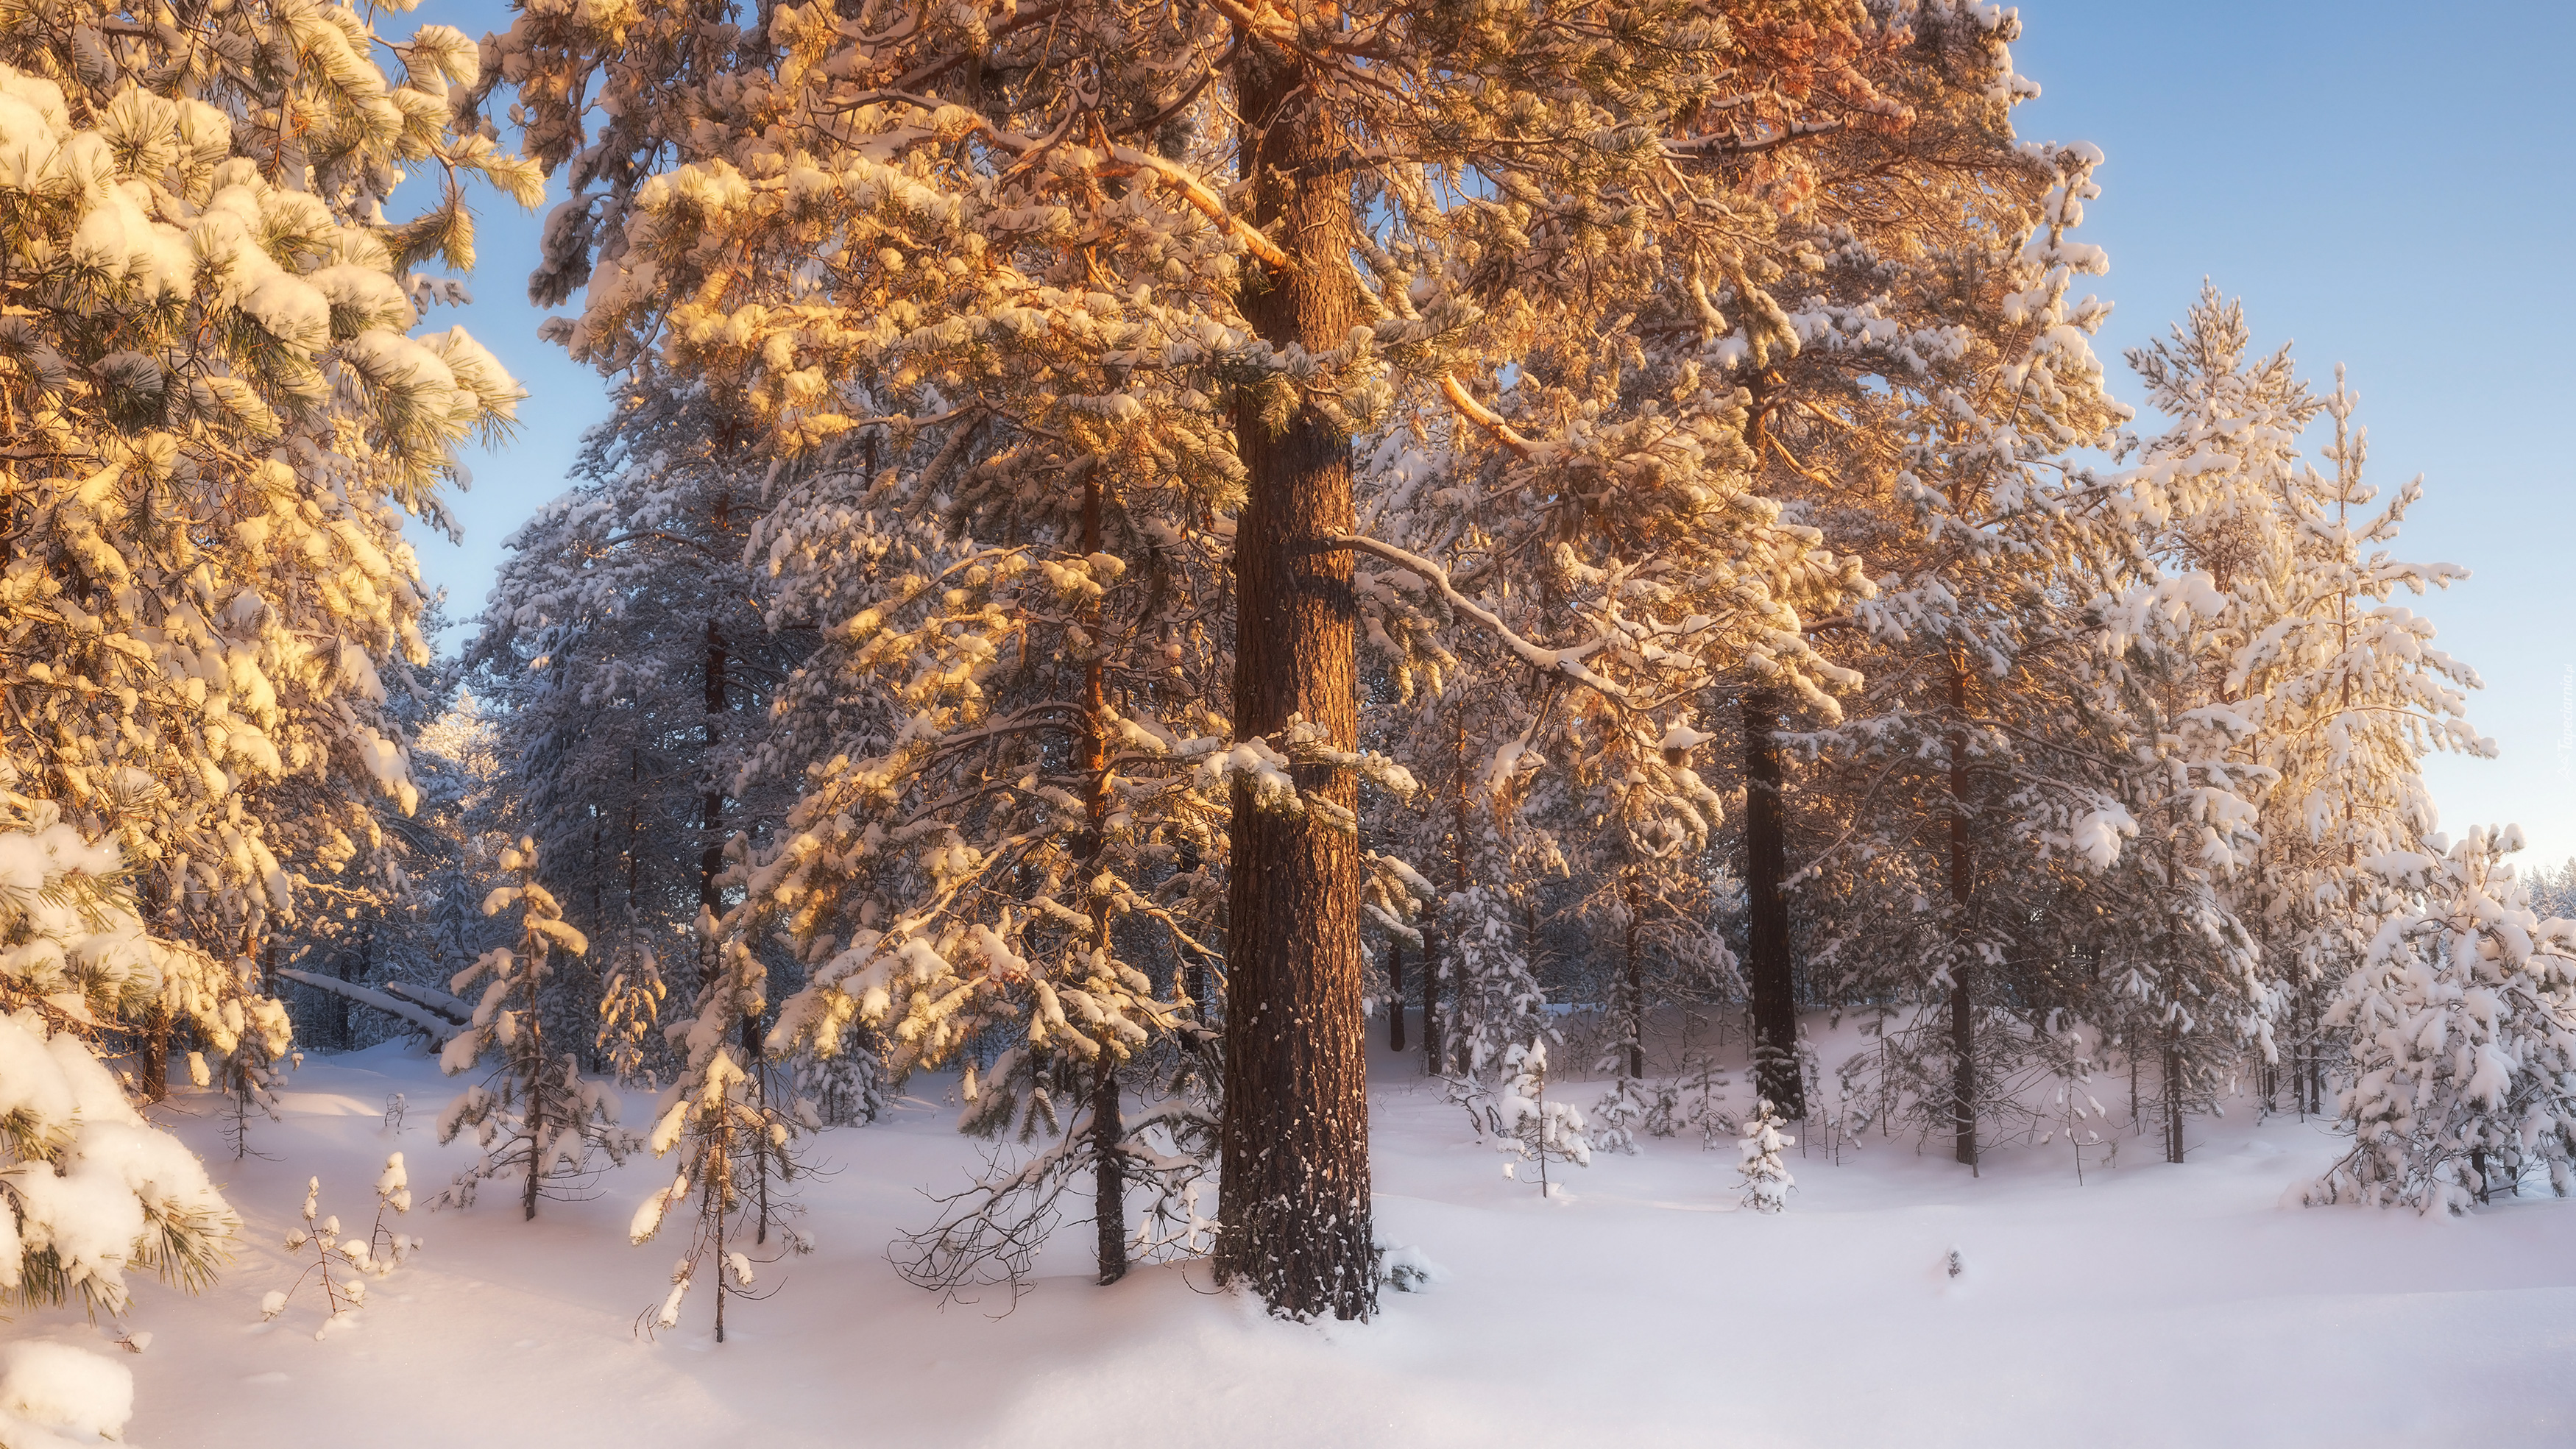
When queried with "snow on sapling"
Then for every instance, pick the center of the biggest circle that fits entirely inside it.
(1766, 1177)
(375, 1255)
(1694, 1101)
(735, 1139)
(247, 1073)
(2460, 1024)
(846, 1088)
(1619, 1115)
(1527, 1126)
(535, 1115)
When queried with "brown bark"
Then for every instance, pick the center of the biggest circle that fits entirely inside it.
(1108, 1171)
(152, 1067)
(711, 809)
(1632, 983)
(1432, 944)
(1395, 997)
(1963, 1021)
(1766, 871)
(534, 1078)
(1108, 1132)
(2173, 1093)
(1294, 1202)
(1458, 854)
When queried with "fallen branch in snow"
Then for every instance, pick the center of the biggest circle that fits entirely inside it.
(439, 1027)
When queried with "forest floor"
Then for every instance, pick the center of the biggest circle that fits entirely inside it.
(2149, 1305)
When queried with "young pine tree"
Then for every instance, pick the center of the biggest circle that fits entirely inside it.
(535, 1115)
(2460, 1025)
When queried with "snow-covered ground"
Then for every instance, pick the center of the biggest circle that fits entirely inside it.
(2151, 1305)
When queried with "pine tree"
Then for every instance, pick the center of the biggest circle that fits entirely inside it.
(1958, 782)
(89, 1191)
(2460, 1022)
(535, 1116)
(627, 633)
(1766, 1177)
(1530, 1129)
(735, 1132)
(218, 424)
(1234, 241)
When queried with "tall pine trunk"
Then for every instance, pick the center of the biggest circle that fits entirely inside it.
(711, 808)
(1108, 1132)
(1766, 869)
(533, 1082)
(1294, 1201)
(1963, 1020)
(1457, 1042)
(1632, 980)
(2173, 1092)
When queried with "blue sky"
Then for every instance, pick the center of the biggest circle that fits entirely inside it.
(2384, 184)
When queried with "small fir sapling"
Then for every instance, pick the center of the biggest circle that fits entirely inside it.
(535, 1116)
(630, 1015)
(1692, 1101)
(375, 1255)
(845, 1089)
(2460, 1024)
(1530, 1128)
(1766, 1177)
(1619, 1115)
(735, 1141)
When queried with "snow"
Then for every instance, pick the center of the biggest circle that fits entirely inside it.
(2152, 1305)
(61, 1387)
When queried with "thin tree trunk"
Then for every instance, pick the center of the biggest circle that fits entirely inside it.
(1395, 997)
(152, 1069)
(1195, 980)
(1294, 1201)
(1766, 870)
(340, 1006)
(535, 1079)
(2173, 1092)
(1632, 983)
(1108, 1132)
(711, 809)
(1458, 1043)
(1963, 1021)
(1108, 1171)
(719, 1202)
(1434, 945)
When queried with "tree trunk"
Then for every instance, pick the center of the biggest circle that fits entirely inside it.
(1458, 1045)
(535, 1080)
(2173, 1093)
(1294, 1201)
(339, 1006)
(1766, 870)
(1195, 980)
(1632, 984)
(1108, 1171)
(1432, 1045)
(152, 1066)
(1963, 1021)
(711, 809)
(1108, 1133)
(1395, 997)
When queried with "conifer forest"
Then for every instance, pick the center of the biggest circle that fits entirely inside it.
(1280, 723)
